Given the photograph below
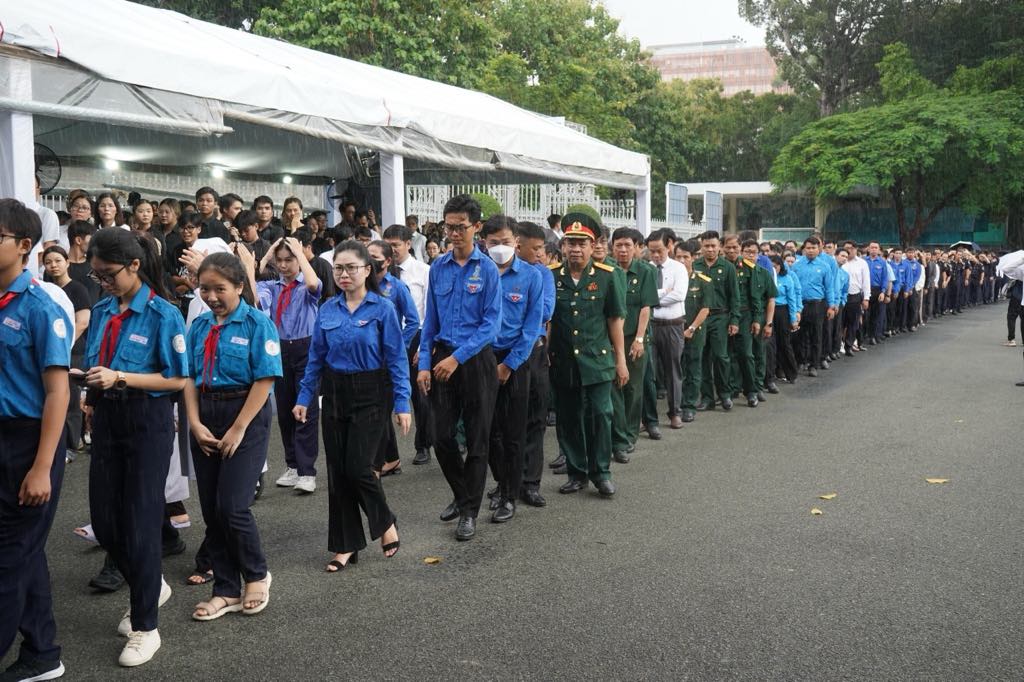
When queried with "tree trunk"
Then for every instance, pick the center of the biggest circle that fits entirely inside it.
(901, 211)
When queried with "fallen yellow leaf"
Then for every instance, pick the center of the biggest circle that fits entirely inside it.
(829, 496)
(816, 512)
(432, 560)
(937, 480)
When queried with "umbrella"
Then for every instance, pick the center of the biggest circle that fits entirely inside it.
(1012, 265)
(973, 246)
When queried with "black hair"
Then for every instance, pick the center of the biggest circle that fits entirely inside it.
(710, 234)
(245, 218)
(389, 254)
(228, 266)
(345, 204)
(362, 231)
(812, 240)
(207, 190)
(551, 249)
(173, 203)
(303, 236)
(660, 236)
(748, 242)
(77, 194)
(361, 213)
(187, 206)
(554, 220)
(292, 200)
(56, 248)
(413, 217)
(262, 199)
(80, 228)
(364, 255)
(318, 214)
(225, 201)
(121, 247)
(118, 213)
(528, 230)
(463, 203)
(342, 232)
(780, 261)
(497, 223)
(21, 221)
(693, 246)
(193, 218)
(63, 217)
(397, 231)
(627, 233)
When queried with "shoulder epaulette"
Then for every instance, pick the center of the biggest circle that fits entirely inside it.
(748, 263)
(554, 266)
(603, 266)
(703, 277)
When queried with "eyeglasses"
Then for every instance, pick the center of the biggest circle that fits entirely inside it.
(351, 269)
(105, 277)
(189, 227)
(8, 236)
(453, 229)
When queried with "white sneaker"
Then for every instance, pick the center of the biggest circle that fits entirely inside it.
(140, 648)
(306, 484)
(289, 478)
(124, 628)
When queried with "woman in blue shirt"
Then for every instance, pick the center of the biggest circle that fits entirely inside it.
(234, 357)
(135, 352)
(788, 305)
(358, 355)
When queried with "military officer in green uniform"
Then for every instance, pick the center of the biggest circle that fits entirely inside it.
(723, 321)
(587, 354)
(762, 287)
(641, 295)
(695, 334)
(741, 344)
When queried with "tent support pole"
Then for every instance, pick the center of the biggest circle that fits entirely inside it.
(17, 156)
(392, 189)
(643, 207)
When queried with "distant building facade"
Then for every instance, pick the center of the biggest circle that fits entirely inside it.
(737, 65)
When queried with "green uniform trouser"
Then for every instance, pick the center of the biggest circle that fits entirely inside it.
(741, 353)
(760, 368)
(585, 429)
(627, 402)
(693, 358)
(715, 369)
(650, 392)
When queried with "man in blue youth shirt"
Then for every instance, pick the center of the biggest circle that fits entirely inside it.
(457, 368)
(816, 285)
(522, 293)
(875, 321)
(910, 293)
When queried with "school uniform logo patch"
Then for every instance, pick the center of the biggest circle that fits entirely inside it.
(472, 288)
(60, 329)
(12, 323)
(272, 348)
(515, 298)
(239, 341)
(362, 323)
(178, 343)
(145, 340)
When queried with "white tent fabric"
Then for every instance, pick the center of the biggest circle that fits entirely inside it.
(272, 83)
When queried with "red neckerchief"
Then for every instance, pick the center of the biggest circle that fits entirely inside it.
(210, 354)
(112, 333)
(283, 300)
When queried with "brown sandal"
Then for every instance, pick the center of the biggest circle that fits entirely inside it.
(215, 611)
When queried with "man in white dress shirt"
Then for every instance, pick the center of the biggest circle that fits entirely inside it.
(668, 320)
(859, 296)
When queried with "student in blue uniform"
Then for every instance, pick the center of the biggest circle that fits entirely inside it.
(522, 308)
(135, 351)
(816, 286)
(358, 357)
(234, 357)
(35, 353)
(292, 301)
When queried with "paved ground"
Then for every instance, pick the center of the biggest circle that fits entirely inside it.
(707, 565)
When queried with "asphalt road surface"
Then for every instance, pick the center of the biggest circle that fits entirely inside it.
(706, 565)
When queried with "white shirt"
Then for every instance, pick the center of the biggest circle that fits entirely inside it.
(51, 233)
(415, 275)
(860, 276)
(419, 246)
(672, 292)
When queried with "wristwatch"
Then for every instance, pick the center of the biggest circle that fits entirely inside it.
(122, 381)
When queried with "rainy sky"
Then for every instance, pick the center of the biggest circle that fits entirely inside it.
(656, 22)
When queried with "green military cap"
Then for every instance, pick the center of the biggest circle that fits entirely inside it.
(580, 225)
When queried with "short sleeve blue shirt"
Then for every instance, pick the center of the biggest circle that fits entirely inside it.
(522, 305)
(297, 319)
(248, 348)
(34, 335)
(398, 293)
(152, 338)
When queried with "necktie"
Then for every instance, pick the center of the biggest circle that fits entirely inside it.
(210, 354)
(110, 336)
(283, 300)
(661, 277)
(7, 298)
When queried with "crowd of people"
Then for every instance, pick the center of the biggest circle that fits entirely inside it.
(163, 342)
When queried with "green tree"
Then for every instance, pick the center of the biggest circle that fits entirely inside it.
(233, 13)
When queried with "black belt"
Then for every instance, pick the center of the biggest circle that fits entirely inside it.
(717, 311)
(814, 300)
(293, 342)
(124, 394)
(224, 393)
(677, 322)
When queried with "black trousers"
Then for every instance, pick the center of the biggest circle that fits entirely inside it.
(73, 422)
(1013, 312)
(536, 416)
(785, 358)
(876, 315)
(812, 319)
(835, 327)
(387, 450)
(354, 417)
(25, 599)
(851, 319)
(911, 310)
(424, 438)
(668, 345)
(469, 396)
(132, 441)
(227, 487)
(649, 411)
(508, 429)
(300, 441)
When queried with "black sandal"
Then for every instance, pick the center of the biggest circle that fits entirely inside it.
(394, 471)
(338, 566)
(391, 546)
(204, 577)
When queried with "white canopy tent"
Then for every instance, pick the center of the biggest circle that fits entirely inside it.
(138, 82)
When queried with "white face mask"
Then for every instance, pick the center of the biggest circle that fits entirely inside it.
(500, 253)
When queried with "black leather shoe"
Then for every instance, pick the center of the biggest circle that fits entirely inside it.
(824, 364)
(494, 503)
(551, 418)
(533, 498)
(1019, 383)
(259, 488)
(688, 416)
(653, 432)
(558, 461)
(760, 397)
(726, 404)
(631, 449)
(812, 372)
(109, 579)
(492, 493)
(561, 471)
(572, 486)
(606, 488)
(505, 511)
(422, 456)
(662, 394)
(451, 512)
(620, 457)
(873, 341)
(773, 388)
(849, 352)
(752, 400)
(466, 528)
